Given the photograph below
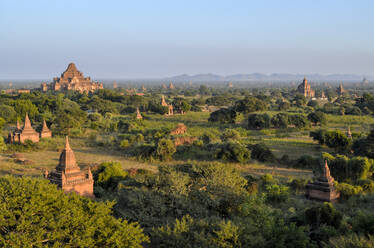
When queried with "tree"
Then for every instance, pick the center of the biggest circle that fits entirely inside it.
(230, 134)
(258, 121)
(8, 113)
(223, 116)
(298, 120)
(34, 213)
(284, 106)
(109, 175)
(317, 117)
(165, 149)
(262, 153)
(181, 105)
(250, 104)
(233, 152)
(280, 120)
(299, 100)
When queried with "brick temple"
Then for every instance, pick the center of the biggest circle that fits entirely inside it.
(45, 133)
(69, 177)
(170, 107)
(323, 188)
(305, 89)
(72, 79)
(20, 135)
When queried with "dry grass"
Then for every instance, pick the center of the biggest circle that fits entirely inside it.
(49, 159)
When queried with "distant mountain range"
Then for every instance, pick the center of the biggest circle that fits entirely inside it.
(267, 77)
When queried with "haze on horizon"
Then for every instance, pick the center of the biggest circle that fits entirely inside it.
(155, 39)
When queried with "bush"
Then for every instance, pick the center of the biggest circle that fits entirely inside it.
(262, 153)
(109, 175)
(233, 152)
(223, 116)
(280, 120)
(258, 121)
(277, 193)
(346, 190)
(165, 149)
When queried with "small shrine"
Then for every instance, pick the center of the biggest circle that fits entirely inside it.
(323, 188)
(68, 176)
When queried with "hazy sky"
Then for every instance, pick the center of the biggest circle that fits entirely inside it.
(156, 38)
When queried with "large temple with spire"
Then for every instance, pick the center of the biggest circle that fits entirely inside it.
(305, 89)
(72, 79)
(323, 188)
(68, 176)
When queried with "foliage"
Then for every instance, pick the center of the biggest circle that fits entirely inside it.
(34, 214)
(258, 121)
(165, 149)
(317, 118)
(280, 120)
(262, 153)
(223, 116)
(233, 152)
(250, 104)
(108, 175)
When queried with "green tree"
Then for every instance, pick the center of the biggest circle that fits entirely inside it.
(317, 118)
(223, 116)
(34, 213)
(280, 120)
(258, 121)
(165, 149)
(109, 175)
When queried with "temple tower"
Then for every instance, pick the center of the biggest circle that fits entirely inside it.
(323, 188)
(45, 133)
(68, 176)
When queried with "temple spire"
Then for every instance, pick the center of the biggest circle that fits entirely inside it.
(326, 170)
(27, 122)
(67, 145)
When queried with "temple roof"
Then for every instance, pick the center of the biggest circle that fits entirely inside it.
(45, 127)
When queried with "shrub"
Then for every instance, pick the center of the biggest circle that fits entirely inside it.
(258, 121)
(109, 175)
(262, 153)
(165, 149)
(346, 190)
(233, 152)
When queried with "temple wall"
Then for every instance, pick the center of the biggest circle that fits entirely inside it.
(84, 188)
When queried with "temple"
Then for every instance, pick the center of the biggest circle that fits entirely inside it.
(323, 188)
(72, 79)
(138, 114)
(45, 133)
(340, 90)
(171, 86)
(26, 133)
(305, 89)
(69, 177)
(170, 107)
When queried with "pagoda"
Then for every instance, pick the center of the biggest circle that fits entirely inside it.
(170, 107)
(323, 188)
(68, 176)
(138, 114)
(72, 79)
(26, 133)
(45, 133)
(349, 133)
(305, 89)
(171, 86)
(340, 90)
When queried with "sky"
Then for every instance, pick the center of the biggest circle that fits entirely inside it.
(162, 38)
